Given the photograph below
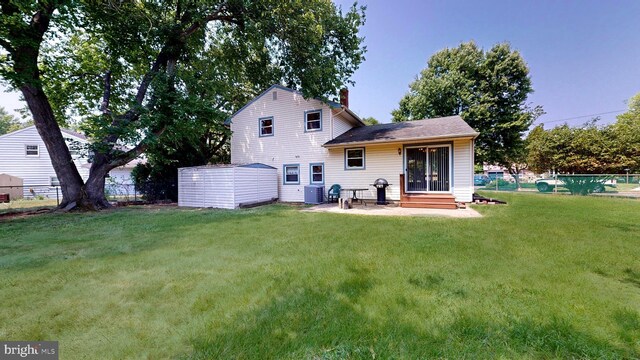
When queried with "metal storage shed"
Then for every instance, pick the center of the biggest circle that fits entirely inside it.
(227, 186)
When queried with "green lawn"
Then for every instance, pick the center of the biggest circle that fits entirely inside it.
(542, 277)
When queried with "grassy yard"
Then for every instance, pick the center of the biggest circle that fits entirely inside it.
(542, 277)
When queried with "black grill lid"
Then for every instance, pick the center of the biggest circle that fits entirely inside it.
(381, 182)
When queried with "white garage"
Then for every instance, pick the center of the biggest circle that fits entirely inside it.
(227, 186)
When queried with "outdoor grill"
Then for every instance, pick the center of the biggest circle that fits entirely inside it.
(381, 184)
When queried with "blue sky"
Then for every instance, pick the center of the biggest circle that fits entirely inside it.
(584, 56)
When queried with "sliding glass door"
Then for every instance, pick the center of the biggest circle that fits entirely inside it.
(428, 168)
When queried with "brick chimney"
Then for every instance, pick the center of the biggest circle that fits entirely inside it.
(344, 97)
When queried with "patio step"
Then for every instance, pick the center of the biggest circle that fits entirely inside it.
(428, 205)
(429, 201)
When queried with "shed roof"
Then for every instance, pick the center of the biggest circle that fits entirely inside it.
(427, 129)
(213, 166)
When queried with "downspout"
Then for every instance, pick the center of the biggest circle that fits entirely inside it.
(331, 123)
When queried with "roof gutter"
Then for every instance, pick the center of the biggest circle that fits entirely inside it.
(401, 141)
(343, 108)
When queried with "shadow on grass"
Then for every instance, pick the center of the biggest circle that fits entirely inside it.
(40, 240)
(321, 324)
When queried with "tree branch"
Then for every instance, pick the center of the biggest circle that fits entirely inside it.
(7, 45)
(106, 96)
(128, 156)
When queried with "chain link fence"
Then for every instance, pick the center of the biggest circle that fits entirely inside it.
(33, 196)
(576, 184)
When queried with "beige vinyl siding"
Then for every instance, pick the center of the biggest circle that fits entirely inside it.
(290, 144)
(340, 126)
(463, 170)
(381, 161)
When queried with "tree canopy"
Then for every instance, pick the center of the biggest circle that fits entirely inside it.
(150, 75)
(8, 122)
(588, 149)
(488, 89)
(370, 120)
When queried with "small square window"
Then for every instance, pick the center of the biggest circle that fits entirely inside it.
(55, 181)
(313, 120)
(266, 126)
(354, 158)
(32, 150)
(291, 174)
(317, 173)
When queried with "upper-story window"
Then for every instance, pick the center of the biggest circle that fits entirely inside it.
(313, 120)
(354, 159)
(266, 126)
(32, 150)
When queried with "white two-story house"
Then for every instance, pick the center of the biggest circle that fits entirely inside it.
(427, 162)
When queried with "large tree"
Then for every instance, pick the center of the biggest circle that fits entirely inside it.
(626, 131)
(488, 89)
(588, 149)
(125, 68)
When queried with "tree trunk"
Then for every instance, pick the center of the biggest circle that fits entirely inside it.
(70, 180)
(95, 187)
(515, 173)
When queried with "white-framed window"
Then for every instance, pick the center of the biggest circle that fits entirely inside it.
(316, 173)
(55, 181)
(32, 150)
(313, 120)
(354, 159)
(265, 126)
(291, 174)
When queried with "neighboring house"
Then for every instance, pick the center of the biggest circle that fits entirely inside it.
(23, 154)
(325, 143)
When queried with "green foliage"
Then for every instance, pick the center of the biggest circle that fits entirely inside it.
(370, 120)
(626, 132)
(584, 185)
(8, 122)
(488, 89)
(162, 76)
(590, 149)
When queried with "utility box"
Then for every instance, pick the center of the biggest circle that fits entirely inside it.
(314, 194)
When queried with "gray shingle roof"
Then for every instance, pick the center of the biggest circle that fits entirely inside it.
(73, 133)
(437, 128)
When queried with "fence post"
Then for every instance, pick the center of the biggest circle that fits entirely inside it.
(57, 197)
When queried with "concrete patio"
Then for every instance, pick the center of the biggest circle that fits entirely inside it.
(393, 210)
